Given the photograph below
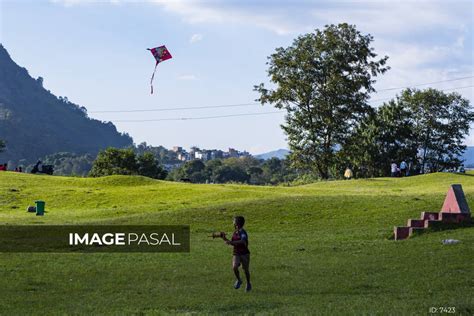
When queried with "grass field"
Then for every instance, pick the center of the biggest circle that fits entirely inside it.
(322, 248)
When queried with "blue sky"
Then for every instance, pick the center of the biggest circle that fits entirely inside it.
(94, 52)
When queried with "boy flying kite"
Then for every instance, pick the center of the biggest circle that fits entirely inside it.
(241, 253)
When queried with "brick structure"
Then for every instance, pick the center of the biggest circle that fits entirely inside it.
(455, 211)
(455, 201)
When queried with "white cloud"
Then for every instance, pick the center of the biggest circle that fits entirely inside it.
(377, 17)
(216, 12)
(459, 42)
(195, 12)
(195, 38)
(386, 17)
(70, 3)
(187, 77)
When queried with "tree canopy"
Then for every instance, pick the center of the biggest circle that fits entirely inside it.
(240, 170)
(114, 161)
(323, 81)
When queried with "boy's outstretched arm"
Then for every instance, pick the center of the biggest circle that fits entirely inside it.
(235, 242)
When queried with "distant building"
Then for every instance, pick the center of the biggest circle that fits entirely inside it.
(198, 155)
(216, 154)
(233, 153)
(206, 154)
(182, 156)
(244, 154)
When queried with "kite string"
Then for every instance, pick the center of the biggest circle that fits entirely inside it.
(152, 77)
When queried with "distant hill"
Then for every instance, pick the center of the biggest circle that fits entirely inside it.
(35, 123)
(280, 154)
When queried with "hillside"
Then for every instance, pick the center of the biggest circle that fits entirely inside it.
(322, 248)
(279, 153)
(35, 123)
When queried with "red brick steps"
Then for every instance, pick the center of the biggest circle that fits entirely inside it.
(430, 215)
(416, 223)
(433, 223)
(455, 211)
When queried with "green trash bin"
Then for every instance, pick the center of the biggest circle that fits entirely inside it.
(40, 207)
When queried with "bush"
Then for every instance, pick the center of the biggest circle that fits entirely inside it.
(114, 161)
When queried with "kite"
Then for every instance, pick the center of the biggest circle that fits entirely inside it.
(161, 54)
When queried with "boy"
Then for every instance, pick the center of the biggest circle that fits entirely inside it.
(241, 254)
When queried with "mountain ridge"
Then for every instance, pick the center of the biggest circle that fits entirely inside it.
(35, 123)
(278, 153)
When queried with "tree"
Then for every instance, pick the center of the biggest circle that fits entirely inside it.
(212, 165)
(2, 145)
(228, 173)
(441, 122)
(323, 81)
(65, 163)
(149, 167)
(193, 171)
(384, 136)
(114, 161)
(277, 171)
(124, 161)
(424, 128)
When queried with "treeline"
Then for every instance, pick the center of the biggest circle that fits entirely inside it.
(238, 170)
(248, 170)
(68, 164)
(139, 161)
(114, 161)
(324, 81)
(424, 128)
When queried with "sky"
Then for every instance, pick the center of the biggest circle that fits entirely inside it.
(94, 53)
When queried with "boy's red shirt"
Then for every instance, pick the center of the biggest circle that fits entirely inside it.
(241, 249)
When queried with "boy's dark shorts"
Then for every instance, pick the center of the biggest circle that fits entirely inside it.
(241, 259)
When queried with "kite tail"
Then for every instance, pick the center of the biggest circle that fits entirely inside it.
(152, 77)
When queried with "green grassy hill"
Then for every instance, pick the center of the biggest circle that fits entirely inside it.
(316, 249)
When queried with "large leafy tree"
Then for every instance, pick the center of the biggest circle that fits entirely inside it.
(323, 81)
(149, 167)
(441, 122)
(385, 136)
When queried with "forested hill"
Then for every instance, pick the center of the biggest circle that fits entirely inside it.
(35, 123)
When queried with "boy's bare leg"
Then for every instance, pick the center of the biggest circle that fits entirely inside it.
(247, 275)
(235, 266)
(245, 266)
(237, 274)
